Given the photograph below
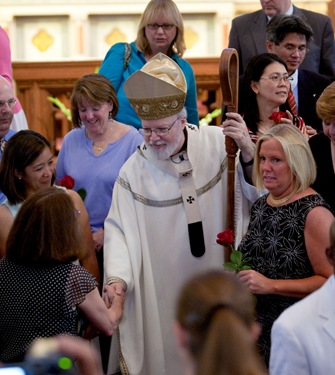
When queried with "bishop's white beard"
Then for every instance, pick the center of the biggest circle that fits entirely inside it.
(170, 148)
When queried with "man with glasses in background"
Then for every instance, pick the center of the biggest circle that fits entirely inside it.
(169, 204)
(289, 38)
(247, 35)
(7, 103)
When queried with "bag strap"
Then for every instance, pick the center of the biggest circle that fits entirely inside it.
(127, 54)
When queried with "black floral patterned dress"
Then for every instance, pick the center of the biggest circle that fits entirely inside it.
(275, 244)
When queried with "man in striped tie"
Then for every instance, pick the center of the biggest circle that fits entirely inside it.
(287, 36)
(7, 103)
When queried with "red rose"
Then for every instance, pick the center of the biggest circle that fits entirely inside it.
(277, 116)
(67, 182)
(225, 238)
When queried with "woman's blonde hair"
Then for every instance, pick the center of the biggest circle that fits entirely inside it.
(297, 153)
(217, 313)
(325, 105)
(173, 16)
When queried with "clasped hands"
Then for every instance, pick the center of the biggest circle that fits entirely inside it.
(114, 297)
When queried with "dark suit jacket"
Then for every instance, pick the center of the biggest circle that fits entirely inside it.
(325, 178)
(247, 36)
(310, 87)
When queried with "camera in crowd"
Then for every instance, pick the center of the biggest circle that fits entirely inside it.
(51, 364)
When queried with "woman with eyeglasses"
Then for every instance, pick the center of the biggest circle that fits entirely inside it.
(160, 29)
(266, 86)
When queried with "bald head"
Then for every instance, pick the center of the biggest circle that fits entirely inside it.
(4, 83)
(7, 102)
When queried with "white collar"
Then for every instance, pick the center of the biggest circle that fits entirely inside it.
(294, 79)
(288, 13)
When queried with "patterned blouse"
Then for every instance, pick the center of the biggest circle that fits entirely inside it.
(38, 302)
(275, 243)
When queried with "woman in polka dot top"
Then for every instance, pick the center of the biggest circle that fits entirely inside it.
(41, 290)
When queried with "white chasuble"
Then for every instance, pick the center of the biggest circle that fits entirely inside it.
(147, 240)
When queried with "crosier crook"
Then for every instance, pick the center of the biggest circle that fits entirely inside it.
(229, 74)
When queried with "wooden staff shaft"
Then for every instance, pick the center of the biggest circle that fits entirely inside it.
(229, 80)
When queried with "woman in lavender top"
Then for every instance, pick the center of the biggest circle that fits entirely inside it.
(95, 150)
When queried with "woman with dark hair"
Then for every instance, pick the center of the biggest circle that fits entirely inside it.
(161, 29)
(26, 167)
(262, 94)
(41, 290)
(215, 326)
(266, 86)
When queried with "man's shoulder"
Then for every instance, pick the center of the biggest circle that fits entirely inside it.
(314, 77)
(248, 17)
(10, 133)
(207, 138)
(206, 131)
(310, 15)
(306, 309)
(134, 161)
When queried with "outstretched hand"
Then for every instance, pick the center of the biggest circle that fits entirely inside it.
(98, 239)
(114, 298)
(310, 131)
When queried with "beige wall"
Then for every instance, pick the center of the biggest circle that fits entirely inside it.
(49, 30)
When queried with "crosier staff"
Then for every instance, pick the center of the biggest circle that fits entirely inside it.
(229, 79)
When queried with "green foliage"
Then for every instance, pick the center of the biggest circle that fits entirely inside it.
(82, 193)
(209, 117)
(61, 106)
(236, 263)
